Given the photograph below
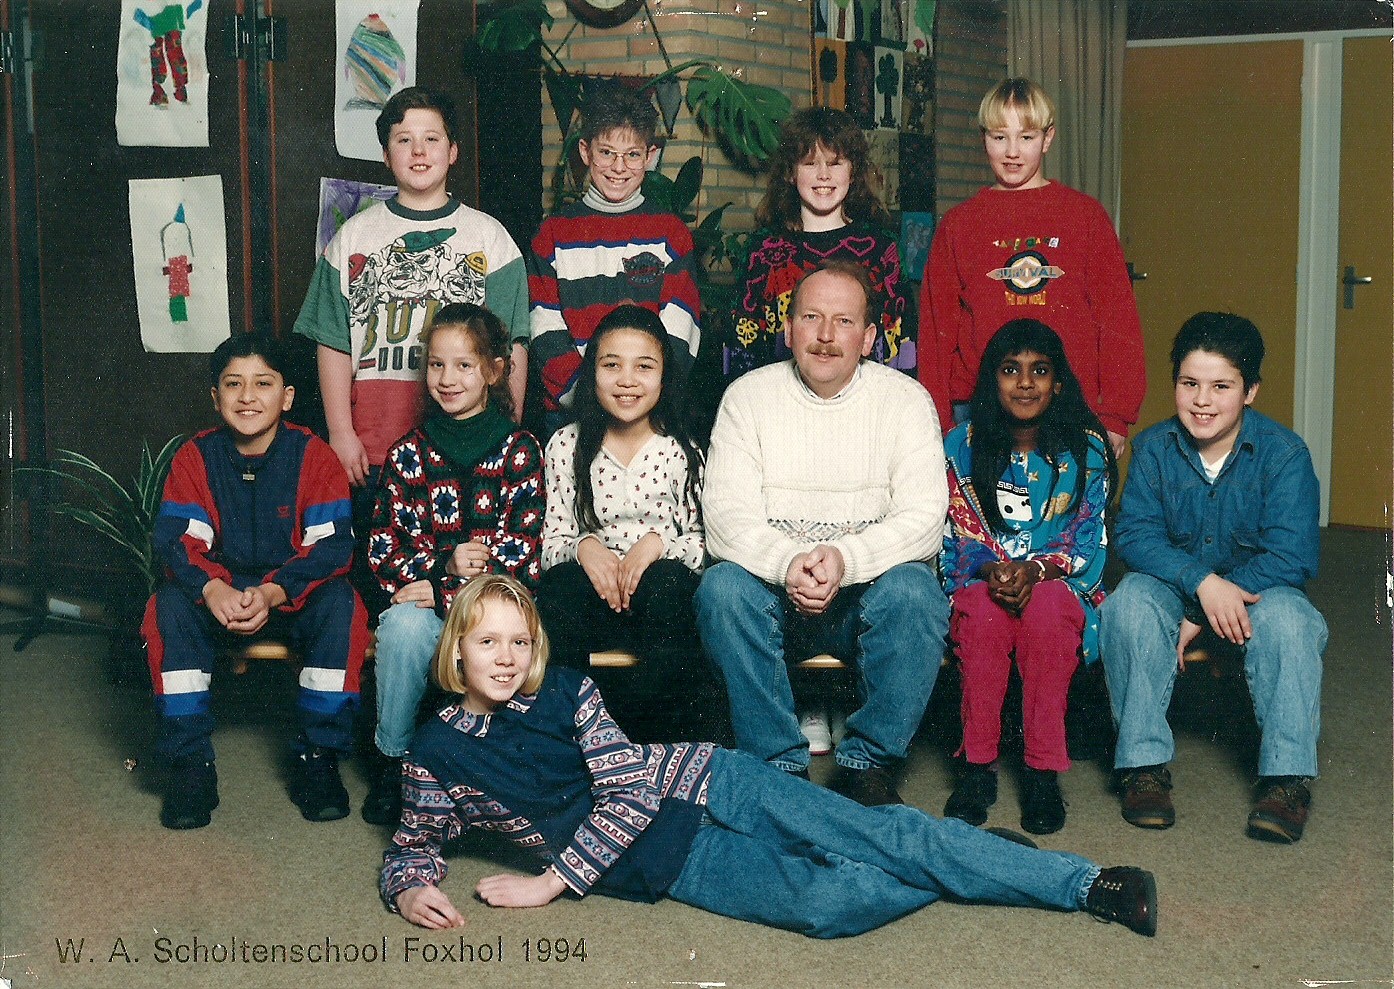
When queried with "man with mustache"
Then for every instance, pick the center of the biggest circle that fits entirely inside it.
(824, 502)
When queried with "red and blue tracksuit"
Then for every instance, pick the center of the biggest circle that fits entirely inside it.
(283, 518)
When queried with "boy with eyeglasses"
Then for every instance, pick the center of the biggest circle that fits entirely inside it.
(610, 247)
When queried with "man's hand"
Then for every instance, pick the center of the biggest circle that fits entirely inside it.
(419, 592)
(1119, 442)
(602, 566)
(640, 557)
(469, 559)
(813, 579)
(427, 906)
(520, 891)
(1189, 631)
(352, 455)
(1226, 607)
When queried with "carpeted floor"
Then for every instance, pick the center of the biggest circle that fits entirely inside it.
(86, 868)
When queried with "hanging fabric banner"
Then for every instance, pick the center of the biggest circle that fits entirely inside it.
(179, 250)
(374, 56)
(162, 74)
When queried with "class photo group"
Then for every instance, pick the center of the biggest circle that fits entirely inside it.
(904, 483)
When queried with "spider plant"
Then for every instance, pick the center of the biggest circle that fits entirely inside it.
(124, 514)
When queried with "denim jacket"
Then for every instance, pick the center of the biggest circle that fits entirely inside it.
(1256, 525)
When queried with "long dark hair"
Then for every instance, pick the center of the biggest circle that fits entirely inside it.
(1066, 426)
(838, 132)
(668, 416)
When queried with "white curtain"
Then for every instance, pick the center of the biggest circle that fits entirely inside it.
(1074, 49)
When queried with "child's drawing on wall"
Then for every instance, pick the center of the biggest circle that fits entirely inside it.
(166, 28)
(175, 235)
(375, 44)
(182, 303)
(342, 199)
(162, 74)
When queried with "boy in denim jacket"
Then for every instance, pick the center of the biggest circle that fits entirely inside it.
(1219, 528)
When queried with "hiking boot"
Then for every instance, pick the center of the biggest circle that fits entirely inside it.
(1127, 895)
(191, 793)
(1280, 809)
(974, 793)
(871, 787)
(1146, 793)
(316, 787)
(1042, 808)
(383, 805)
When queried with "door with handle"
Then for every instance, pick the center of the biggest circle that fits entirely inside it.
(1362, 432)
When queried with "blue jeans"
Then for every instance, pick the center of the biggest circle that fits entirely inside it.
(893, 629)
(778, 850)
(1140, 624)
(407, 637)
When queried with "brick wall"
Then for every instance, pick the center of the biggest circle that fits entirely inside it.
(766, 42)
(971, 56)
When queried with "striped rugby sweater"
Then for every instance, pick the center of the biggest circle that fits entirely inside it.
(584, 263)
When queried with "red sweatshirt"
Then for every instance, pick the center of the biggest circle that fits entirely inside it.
(1049, 254)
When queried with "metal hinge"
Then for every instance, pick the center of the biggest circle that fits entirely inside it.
(7, 53)
(266, 35)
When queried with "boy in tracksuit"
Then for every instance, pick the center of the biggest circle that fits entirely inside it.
(254, 531)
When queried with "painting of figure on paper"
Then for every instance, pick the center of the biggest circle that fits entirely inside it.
(179, 260)
(162, 74)
(176, 235)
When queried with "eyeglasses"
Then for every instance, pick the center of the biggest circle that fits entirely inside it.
(605, 157)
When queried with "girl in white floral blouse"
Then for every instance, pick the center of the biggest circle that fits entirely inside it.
(622, 545)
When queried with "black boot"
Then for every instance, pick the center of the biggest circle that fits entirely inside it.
(191, 793)
(383, 805)
(975, 793)
(1042, 807)
(316, 788)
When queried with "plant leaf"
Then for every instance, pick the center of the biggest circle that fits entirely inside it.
(75, 459)
(565, 93)
(687, 184)
(514, 27)
(659, 190)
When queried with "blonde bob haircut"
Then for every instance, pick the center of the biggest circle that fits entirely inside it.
(1032, 105)
(467, 610)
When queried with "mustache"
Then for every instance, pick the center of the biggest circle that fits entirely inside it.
(825, 349)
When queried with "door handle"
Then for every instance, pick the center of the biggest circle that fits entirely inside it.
(1135, 275)
(1350, 280)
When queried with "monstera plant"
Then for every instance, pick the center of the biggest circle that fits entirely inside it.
(743, 117)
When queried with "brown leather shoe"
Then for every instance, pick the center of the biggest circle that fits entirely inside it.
(1125, 894)
(1146, 792)
(871, 787)
(1280, 809)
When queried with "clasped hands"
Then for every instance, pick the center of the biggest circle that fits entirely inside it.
(244, 612)
(616, 578)
(814, 577)
(1009, 582)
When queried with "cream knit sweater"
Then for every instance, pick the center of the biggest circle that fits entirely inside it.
(863, 471)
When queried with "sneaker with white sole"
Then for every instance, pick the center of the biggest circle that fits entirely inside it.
(814, 725)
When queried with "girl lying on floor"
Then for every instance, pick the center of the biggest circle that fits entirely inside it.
(536, 757)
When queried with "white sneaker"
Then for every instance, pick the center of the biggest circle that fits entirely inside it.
(838, 722)
(814, 725)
